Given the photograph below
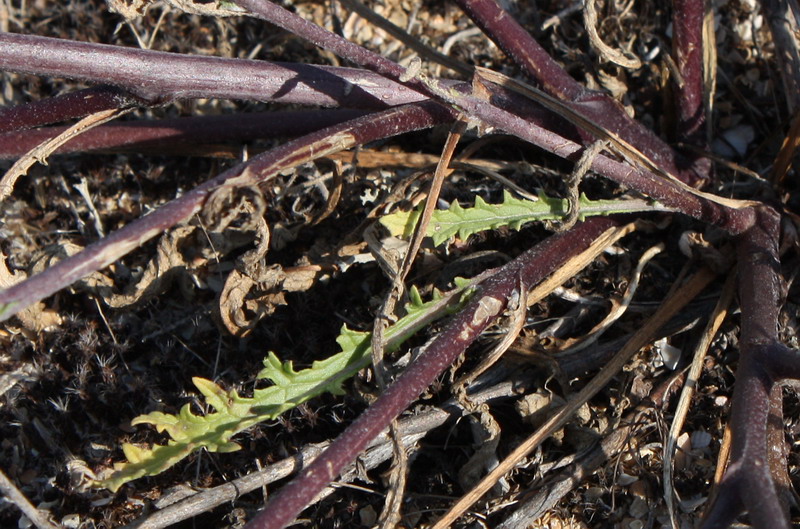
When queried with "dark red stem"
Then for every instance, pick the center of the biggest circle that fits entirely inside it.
(168, 133)
(63, 107)
(523, 49)
(748, 483)
(733, 220)
(102, 253)
(161, 76)
(687, 45)
(687, 50)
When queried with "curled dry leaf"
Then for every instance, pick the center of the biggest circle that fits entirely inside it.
(34, 319)
(227, 222)
(247, 299)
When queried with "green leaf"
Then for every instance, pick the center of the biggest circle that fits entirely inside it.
(513, 212)
(233, 413)
(7, 310)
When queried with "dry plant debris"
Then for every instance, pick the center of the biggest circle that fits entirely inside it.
(186, 320)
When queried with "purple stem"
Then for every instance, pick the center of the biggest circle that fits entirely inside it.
(332, 139)
(748, 482)
(161, 76)
(523, 49)
(141, 73)
(325, 39)
(63, 107)
(486, 305)
(687, 49)
(167, 133)
(687, 46)
(652, 185)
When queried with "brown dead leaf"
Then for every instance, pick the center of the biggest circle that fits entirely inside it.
(129, 9)
(245, 300)
(36, 318)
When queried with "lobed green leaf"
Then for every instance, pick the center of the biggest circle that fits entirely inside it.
(233, 413)
(512, 212)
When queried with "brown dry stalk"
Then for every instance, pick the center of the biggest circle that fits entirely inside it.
(718, 315)
(785, 158)
(578, 263)
(390, 516)
(630, 153)
(41, 152)
(421, 229)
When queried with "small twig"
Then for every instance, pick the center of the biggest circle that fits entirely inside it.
(786, 156)
(578, 262)
(619, 306)
(573, 182)
(422, 49)
(15, 496)
(712, 327)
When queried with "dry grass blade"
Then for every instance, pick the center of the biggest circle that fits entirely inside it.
(712, 327)
(709, 70)
(622, 147)
(412, 42)
(783, 162)
(619, 306)
(40, 153)
(578, 263)
(667, 309)
(390, 516)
